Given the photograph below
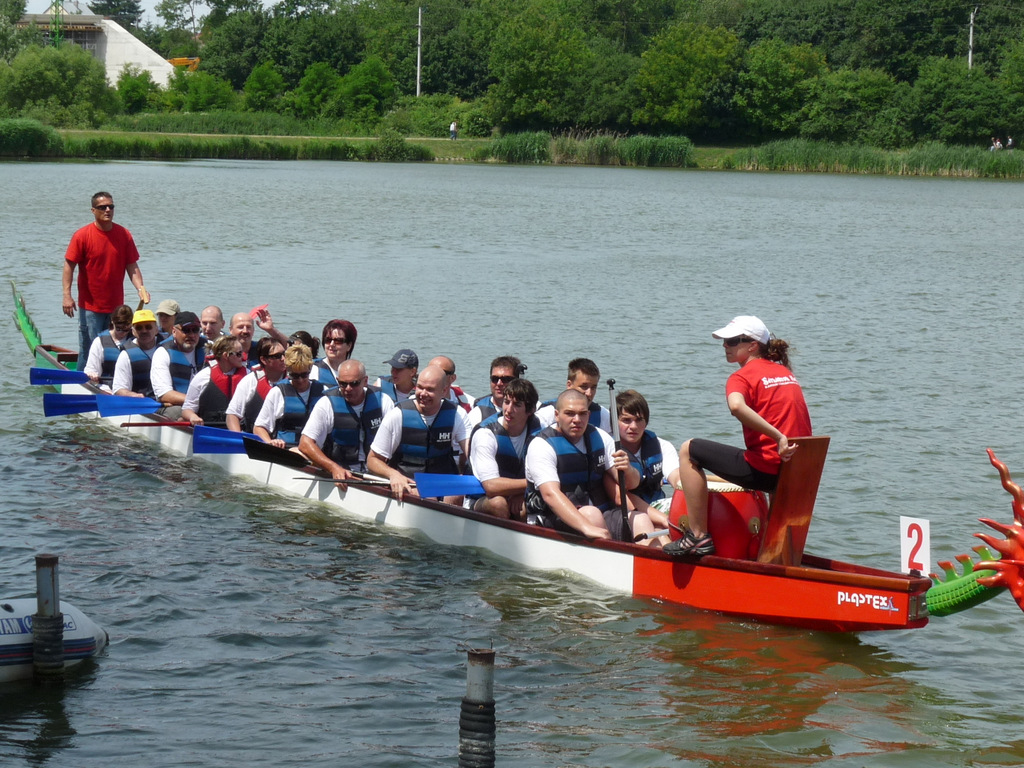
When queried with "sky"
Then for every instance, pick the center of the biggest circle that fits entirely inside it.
(40, 6)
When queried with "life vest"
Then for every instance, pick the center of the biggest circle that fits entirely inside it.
(214, 400)
(462, 400)
(580, 474)
(510, 464)
(181, 369)
(487, 408)
(296, 412)
(141, 364)
(326, 375)
(423, 448)
(649, 464)
(353, 430)
(252, 408)
(111, 350)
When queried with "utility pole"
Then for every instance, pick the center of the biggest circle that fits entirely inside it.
(419, 51)
(970, 40)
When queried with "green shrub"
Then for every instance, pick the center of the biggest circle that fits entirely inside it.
(392, 147)
(522, 148)
(243, 123)
(652, 151)
(28, 138)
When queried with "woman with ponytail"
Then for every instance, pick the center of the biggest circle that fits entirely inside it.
(767, 400)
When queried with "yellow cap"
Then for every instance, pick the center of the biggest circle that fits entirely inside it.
(143, 316)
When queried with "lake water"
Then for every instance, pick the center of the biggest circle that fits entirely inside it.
(259, 630)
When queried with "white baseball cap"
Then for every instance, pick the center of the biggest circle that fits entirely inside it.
(744, 325)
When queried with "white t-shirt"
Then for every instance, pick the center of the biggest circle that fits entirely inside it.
(94, 365)
(389, 436)
(484, 448)
(669, 458)
(402, 396)
(321, 421)
(546, 417)
(123, 376)
(160, 373)
(542, 462)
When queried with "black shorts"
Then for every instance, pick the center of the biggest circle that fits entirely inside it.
(728, 463)
(539, 513)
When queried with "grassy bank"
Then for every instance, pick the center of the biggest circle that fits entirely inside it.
(28, 138)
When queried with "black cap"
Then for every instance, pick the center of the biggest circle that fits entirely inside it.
(186, 318)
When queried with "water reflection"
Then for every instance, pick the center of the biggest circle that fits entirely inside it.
(35, 718)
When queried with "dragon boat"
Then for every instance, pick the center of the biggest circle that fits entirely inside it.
(760, 571)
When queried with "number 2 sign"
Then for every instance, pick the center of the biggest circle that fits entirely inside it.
(915, 545)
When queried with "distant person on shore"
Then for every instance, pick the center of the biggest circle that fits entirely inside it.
(104, 253)
(107, 347)
(453, 131)
(1009, 142)
(767, 400)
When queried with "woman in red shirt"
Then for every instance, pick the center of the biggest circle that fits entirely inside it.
(766, 398)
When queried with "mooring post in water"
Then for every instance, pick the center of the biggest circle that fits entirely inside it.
(48, 621)
(476, 721)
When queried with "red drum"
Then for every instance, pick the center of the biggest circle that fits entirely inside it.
(735, 519)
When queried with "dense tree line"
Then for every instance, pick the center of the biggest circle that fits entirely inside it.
(871, 71)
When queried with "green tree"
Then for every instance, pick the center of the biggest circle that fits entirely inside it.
(314, 92)
(686, 79)
(365, 93)
(235, 47)
(297, 42)
(136, 89)
(540, 63)
(957, 105)
(11, 41)
(263, 88)
(127, 13)
(848, 105)
(63, 87)
(774, 83)
(200, 92)
(181, 14)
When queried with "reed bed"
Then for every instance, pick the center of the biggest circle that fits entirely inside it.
(519, 148)
(22, 137)
(592, 149)
(220, 123)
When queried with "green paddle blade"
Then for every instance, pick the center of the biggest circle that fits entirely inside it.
(114, 405)
(62, 405)
(216, 440)
(55, 376)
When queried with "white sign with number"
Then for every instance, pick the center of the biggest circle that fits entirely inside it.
(915, 545)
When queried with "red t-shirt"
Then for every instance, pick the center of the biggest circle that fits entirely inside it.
(772, 391)
(102, 259)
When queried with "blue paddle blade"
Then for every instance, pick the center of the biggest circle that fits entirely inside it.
(55, 376)
(430, 486)
(217, 440)
(114, 405)
(63, 405)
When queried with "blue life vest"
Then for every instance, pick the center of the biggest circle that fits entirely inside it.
(487, 408)
(423, 448)
(181, 369)
(325, 375)
(141, 364)
(111, 351)
(580, 474)
(649, 464)
(296, 412)
(509, 463)
(351, 430)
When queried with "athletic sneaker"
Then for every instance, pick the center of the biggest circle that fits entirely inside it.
(691, 545)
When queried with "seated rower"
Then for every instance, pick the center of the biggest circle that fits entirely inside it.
(400, 384)
(212, 321)
(503, 370)
(106, 348)
(767, 400)
(585, 377)
(419, 435)
(654, 458)
(166, 311)
(211, 390)
(175, 363)
(566, 466)
(132, 370)
(497, 449)
(343, 423)
(242, 328)
(339, 338)
(252, 390)
(305, 337)
(288, 405)
(455, 393)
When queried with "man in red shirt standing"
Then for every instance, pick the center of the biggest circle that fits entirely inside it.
(104, 252)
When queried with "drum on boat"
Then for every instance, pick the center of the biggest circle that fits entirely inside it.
(736, 518)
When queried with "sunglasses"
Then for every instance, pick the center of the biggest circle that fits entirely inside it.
(278, 356)
(298, 374)
(501, 379)
(235, 354)
(104, 207)
(189, 328)
(737, 341)
(349, 384)
(336, 340)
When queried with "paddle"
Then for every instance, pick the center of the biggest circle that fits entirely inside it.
(627, 533)
(55, 376)
(115, 405)
(257, 450)
(430, 486)
(217, 440)
(157, 424)
(62, 405)
(378, 483)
